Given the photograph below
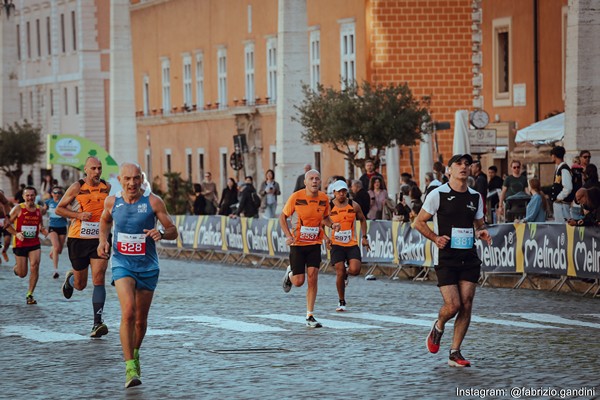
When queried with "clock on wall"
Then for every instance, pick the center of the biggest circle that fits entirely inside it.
(479, 119)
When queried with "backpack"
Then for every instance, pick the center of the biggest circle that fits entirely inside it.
(255, 199)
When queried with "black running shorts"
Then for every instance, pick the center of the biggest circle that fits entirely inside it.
(302, 257)
(344, 253)
(451, 275)
(59, 230)
(81, 251)
(24, 251)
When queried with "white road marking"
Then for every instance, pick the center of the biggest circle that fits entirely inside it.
(38, 334)
(518, 324)
(328, 323)
(389, 318)
(554, 319)
(230, 324)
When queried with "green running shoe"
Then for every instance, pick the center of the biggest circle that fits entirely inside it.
(131, 377)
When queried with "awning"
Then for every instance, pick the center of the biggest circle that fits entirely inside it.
(547, 131)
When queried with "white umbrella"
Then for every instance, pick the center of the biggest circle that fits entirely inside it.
(392, 162)
(547, 131)
(461, 133)
(425, 159)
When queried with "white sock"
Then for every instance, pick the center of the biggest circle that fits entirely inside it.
(309, 313)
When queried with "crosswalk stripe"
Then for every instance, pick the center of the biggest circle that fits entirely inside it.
(389, 318)
(518, 324)
(554, 319)
(329, 323)
(230, 324)
(38, 334)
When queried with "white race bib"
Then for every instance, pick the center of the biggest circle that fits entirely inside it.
(462, 238)
(89, 229)
(131, 244)
(309, 233)
(343, 236)
(29, 231)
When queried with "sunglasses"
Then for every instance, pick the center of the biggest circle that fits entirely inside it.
(518, 167)
(585, 156)
(57, 192)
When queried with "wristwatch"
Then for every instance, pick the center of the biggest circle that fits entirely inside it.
(162, 233)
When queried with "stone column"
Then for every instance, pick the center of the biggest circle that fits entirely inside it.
(292, 71)
(582, 123)
(9, 92)
(9, 89)
(122, 124)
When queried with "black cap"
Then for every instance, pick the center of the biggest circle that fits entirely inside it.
(458, 157)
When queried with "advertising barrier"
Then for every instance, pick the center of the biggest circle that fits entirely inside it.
(542, 249)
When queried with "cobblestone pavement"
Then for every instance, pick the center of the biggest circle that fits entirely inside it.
(218, 331)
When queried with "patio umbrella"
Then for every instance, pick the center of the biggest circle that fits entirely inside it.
(425, 159)
(461, 133)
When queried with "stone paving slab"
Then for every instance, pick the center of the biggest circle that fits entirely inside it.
(218, 331)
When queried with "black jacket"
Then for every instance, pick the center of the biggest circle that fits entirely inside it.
(246, 206)
(363, 200)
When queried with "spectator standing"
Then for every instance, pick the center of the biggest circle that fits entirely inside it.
(584, 158)
(481, 183)
(439, 172)
(378, 197)
(369, 174)
(361, 196)
(19, 195)
(590, 175)
(562, 189)
(513, 184)
(431, 182)
(300, 180)
(199, 206)
(210, 194)
(537, 206)
(269, 190)
(494, 181)
(229, 197)
(248, 206)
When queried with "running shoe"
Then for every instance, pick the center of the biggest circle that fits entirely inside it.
(287, 283)
(434, 338)
(457, 360)
(30, 299)
(55, 275)
(341, 306)
(131, 377)
(311, 322)
(99, 330)
(138, 368)
(67, 289)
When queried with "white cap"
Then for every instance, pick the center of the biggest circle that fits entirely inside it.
(339, 185)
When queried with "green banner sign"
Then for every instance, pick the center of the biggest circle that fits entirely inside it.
(74, 150)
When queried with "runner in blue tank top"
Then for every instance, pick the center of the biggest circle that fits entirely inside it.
(135, 261)
(57, 227)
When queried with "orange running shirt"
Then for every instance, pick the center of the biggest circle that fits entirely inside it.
(28, 223)
(307, 213)
(346, 217)
(90, 199)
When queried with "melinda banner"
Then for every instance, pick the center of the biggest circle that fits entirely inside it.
(554, 249)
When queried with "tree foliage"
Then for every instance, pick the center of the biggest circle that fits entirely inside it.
(20, 145)
(375, 116)
(177, 196)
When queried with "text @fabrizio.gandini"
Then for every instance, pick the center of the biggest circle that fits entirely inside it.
(522, 392)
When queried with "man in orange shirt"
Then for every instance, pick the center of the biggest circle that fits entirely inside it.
(308, 208)
(343, 244)
(83, 204)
